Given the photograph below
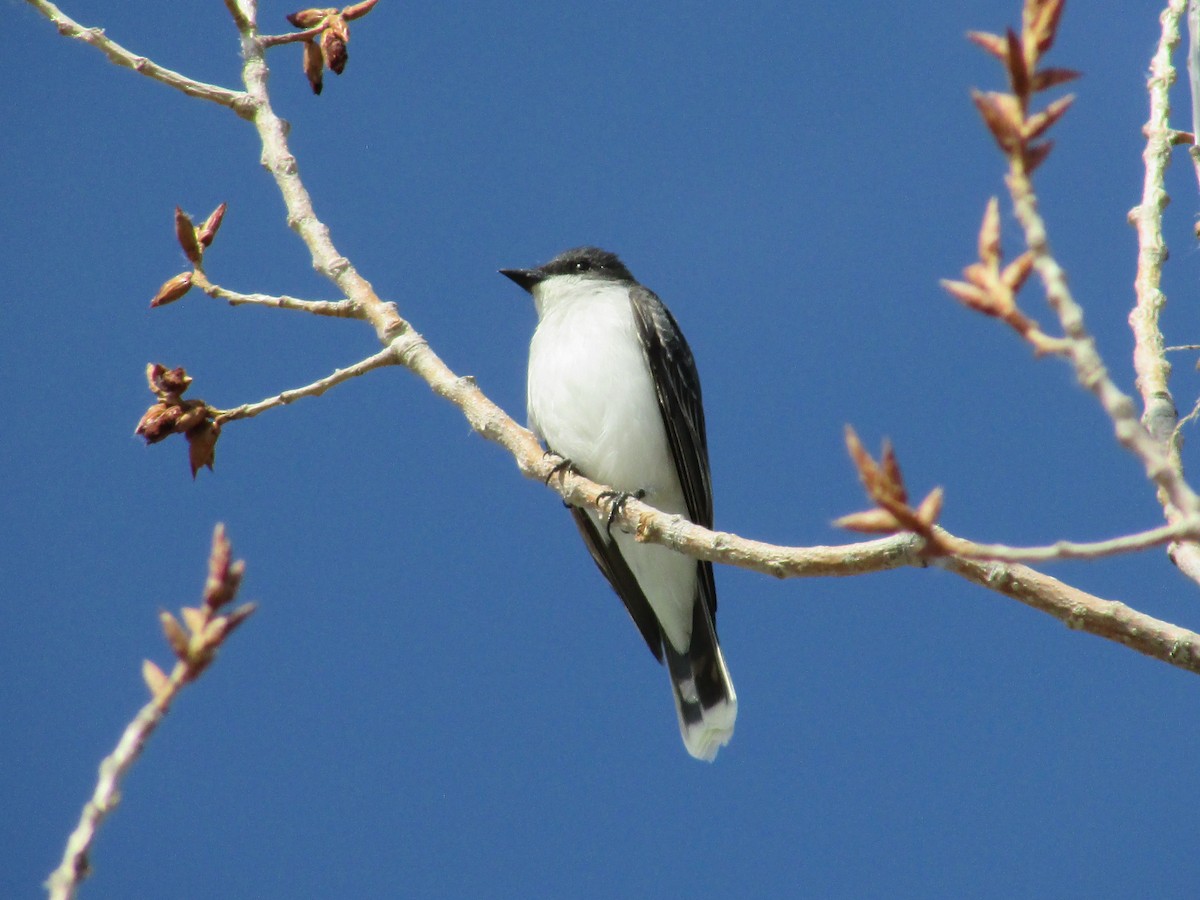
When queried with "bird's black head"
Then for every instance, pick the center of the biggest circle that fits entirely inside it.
(590, 262)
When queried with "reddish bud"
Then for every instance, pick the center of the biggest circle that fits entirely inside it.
(872, 521)
(167, 381)
(176, 636)
(931, 508)
(314, 66)
(308, 18)
(1017, 271)
(158, 422)
(1037, 125)
(333, 45)
(185, 233)
(1002, 115)
(224, 575)
(154, 677)
(1048, 78)
(193, 618)
(172, 289)
(194, 414)
(992, 43)
(1035, 154)
(202, 445)
(892, 483)
(1014, 62)
(1040, 23)
(240, 615)
(357, 10)
(972, 296)
(989, 235)
(206, 232)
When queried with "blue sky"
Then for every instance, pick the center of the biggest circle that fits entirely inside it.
(440, 696)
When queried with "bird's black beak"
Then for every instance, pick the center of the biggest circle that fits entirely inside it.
(526, 278)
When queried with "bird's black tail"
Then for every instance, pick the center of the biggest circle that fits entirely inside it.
(704, 695)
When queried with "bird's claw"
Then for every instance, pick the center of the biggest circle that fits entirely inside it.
(559, 468)
(619, 499)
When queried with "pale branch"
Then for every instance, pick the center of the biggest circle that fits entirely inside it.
(338, 309)
(1077, 609)
(1187, 420)
(195, 646)
(244, 19)
(405, 346)
(1085, 358)
(1193, 67)
(1060, 550)
(74, 868)
(275, 40)
(1081, 611)
(1160, 416)
(302, 218)
(1149, 358)
(68, 27)
(385, 357)
(1148, 442)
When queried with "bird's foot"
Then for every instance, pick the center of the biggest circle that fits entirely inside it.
(561, 467)
(618, 500)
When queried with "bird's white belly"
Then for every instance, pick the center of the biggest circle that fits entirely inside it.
(592, 400)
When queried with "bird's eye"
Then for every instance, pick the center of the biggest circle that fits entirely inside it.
(583, 265)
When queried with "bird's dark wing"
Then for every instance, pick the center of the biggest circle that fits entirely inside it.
(678, 386)
(612, 564)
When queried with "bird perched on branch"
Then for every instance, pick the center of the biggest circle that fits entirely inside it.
(613, 389)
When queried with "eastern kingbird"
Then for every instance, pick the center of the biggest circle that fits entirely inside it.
(613, 389)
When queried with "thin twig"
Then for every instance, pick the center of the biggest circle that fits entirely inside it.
(1060, 550)
(238, 101)
(1081, 611)
(493, 423)
(1187, 420)
(1086, 360)
(338, 309)
(244, 13)
(274, 40)
(405, 346)
(302, 217)
(208, 630)
(1193, 67)
(1149, 359)
(1160, 415)
(385, 357)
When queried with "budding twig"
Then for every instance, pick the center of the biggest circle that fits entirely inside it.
(405, 346)
(1062, 550)
(195, 644)
(338, 309)
(1015, 129)
(385, 357)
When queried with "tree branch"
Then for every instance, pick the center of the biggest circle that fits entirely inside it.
(195, 647)
(405, 346)
(338, 309)
(1193, 67)
(1083, 612)
(1160, 416)
(1132, 543)
(68, 27)
(385, 357)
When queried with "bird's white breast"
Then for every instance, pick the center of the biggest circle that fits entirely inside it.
(590, 393)
(592, 399)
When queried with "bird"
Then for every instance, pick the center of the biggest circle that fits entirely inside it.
(613, 390)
